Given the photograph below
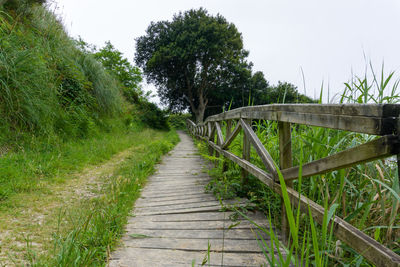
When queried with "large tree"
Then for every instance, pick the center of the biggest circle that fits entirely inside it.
(189, 58)
(129, 76)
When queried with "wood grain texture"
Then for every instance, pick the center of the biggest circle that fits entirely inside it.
(376, 149)
(379, 119)
(175, 221)
(372, 250)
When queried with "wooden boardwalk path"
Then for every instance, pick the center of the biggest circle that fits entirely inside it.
(176, 222)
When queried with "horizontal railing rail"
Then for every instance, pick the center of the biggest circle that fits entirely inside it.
(375, 119)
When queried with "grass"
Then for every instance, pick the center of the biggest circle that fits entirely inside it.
(48, 86)
(366, 195)
(75, 211)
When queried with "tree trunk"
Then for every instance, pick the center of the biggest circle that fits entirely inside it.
(199, 113)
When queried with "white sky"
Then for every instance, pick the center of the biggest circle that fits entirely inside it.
(327, 39)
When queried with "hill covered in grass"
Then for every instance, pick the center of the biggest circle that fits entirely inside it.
(49, 84)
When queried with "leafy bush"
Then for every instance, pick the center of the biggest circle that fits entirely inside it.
(178, 120)
(152, 115)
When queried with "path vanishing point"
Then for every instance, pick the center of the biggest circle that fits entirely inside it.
(176, 223)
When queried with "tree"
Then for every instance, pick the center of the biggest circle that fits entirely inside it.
(128, 75)
(189, 58)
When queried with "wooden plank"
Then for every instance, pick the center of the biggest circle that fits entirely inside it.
(181, 220)
(285, 160)
(369, 125)
(220, 137)
(175, 258)
(164, 202)
(177, 206)
(228, 133)
(232, 136)
(245, 155)
(226, 216)
(259, 173)
(238, 234)
(261, 151)
(339, 117)
(187, 217)
(217, 245)
(376, 149)
(368, 110)
(372, 250)
(191, 225)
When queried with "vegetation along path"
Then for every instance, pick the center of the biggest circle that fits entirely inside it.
(176, 223)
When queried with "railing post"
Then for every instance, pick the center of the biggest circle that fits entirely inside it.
(285, 159)
(210, 138)
(227, 134)
(246, 154)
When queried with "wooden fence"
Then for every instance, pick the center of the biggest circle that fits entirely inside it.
(376, 119)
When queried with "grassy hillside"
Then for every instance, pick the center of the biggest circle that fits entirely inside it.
(74, 149)
(48, 86)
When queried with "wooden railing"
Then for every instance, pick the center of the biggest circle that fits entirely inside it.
(376, 119)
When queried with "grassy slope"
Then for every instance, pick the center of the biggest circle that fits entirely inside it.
(102, 196)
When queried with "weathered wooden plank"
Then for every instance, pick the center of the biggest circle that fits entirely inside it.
(142, 257)
(181, 228)
(285, 160)
(220, 137)
(372, 250)
(259, 173)
(153, 203)
(144, 194)
(371, 119)
(376, 149)
(238, 234)
(245, 154)
(217, 245)
(166, 203)
(189, 225)
(261, 151)
(199, 216)
(232, 136)
(177, 206)
(228, 216)
(368, 110)
(369, 125)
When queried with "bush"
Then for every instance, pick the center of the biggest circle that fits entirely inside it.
(178, 120)
(152, 115)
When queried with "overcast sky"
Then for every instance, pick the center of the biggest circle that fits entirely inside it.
(326, 39)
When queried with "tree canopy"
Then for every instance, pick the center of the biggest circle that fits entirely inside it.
(190, 58)
(129, 76)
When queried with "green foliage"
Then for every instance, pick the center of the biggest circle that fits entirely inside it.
(366, 195)
(128, 75)
(47, 85)
(29, 160)
(19, 5)
(253, 89)
(178, 120)
(150, 114)
(101, 220)
(189, 57)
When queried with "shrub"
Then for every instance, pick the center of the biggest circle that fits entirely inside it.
(152, 115)
(178, 120)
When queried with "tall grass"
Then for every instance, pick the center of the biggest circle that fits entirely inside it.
(97, 223)
(365, 195)
(47, 85)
